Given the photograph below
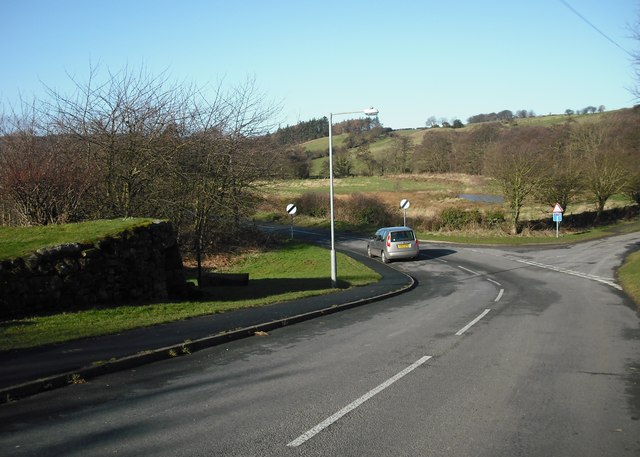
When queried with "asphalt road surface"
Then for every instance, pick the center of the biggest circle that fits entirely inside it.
(496, 352)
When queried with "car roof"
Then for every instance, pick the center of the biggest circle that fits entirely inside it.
(394, 229)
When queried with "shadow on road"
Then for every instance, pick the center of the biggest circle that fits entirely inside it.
(436, 253)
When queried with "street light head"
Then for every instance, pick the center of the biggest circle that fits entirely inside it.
(370, 111)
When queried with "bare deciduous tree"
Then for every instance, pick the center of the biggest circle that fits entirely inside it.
(516, 165)
(364, 155)
(602, 166)
(435, 152)
(41, 177)
(562, 179)
(399, 152)
(220, 158)
(121, 123)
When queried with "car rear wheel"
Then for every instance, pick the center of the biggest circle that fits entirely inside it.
(384, 257)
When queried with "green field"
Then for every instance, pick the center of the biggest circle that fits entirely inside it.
(322, 144)
(442, 184)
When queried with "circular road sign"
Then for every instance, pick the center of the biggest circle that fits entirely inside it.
(404, 204)
(291, 209)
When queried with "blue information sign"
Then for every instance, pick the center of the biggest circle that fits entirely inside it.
(557, 217)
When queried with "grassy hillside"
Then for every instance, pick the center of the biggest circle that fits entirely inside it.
(416, 135)
(468, 144)
(322, 144)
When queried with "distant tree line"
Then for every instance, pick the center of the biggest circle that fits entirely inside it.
(434, 122)
(504, 115)
(508, 115)
(586, 110)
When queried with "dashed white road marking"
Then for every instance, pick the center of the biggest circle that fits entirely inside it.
(467, 270)
(350, 407)
(499, 295)
(472, 323)
(494, 282)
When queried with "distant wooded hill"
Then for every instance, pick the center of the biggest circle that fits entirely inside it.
(437, 149)
(553, 158)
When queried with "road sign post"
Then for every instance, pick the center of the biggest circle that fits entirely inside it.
(292, 210)
(557, 217)
(404, 205)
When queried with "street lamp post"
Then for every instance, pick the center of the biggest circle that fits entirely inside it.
(334, 265)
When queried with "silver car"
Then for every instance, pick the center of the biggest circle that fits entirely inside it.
(390, 243)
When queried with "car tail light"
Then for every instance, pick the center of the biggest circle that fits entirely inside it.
(389, 240)
(417, 243)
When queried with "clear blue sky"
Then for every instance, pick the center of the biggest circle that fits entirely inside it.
(409, 59)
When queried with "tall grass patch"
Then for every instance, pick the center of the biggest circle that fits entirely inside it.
(314, 204)
(629, 275)
(458, 219)
(364, 210)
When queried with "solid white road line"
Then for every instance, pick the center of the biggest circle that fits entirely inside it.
(470, 271)
(499, 295)
(472, 323)
(335, 417)
(608, 281)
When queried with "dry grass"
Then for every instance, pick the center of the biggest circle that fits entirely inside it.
(452, 183)
(429, 195)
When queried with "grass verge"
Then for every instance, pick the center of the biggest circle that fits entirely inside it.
(629, 275)
(293, 271)
(19, 241)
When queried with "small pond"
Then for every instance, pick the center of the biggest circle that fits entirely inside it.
(482, 198)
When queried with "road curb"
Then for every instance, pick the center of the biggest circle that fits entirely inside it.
(81, 375)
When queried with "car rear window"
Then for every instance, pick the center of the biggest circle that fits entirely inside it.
(405, 235)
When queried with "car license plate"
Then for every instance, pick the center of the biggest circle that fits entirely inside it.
(404, 246)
